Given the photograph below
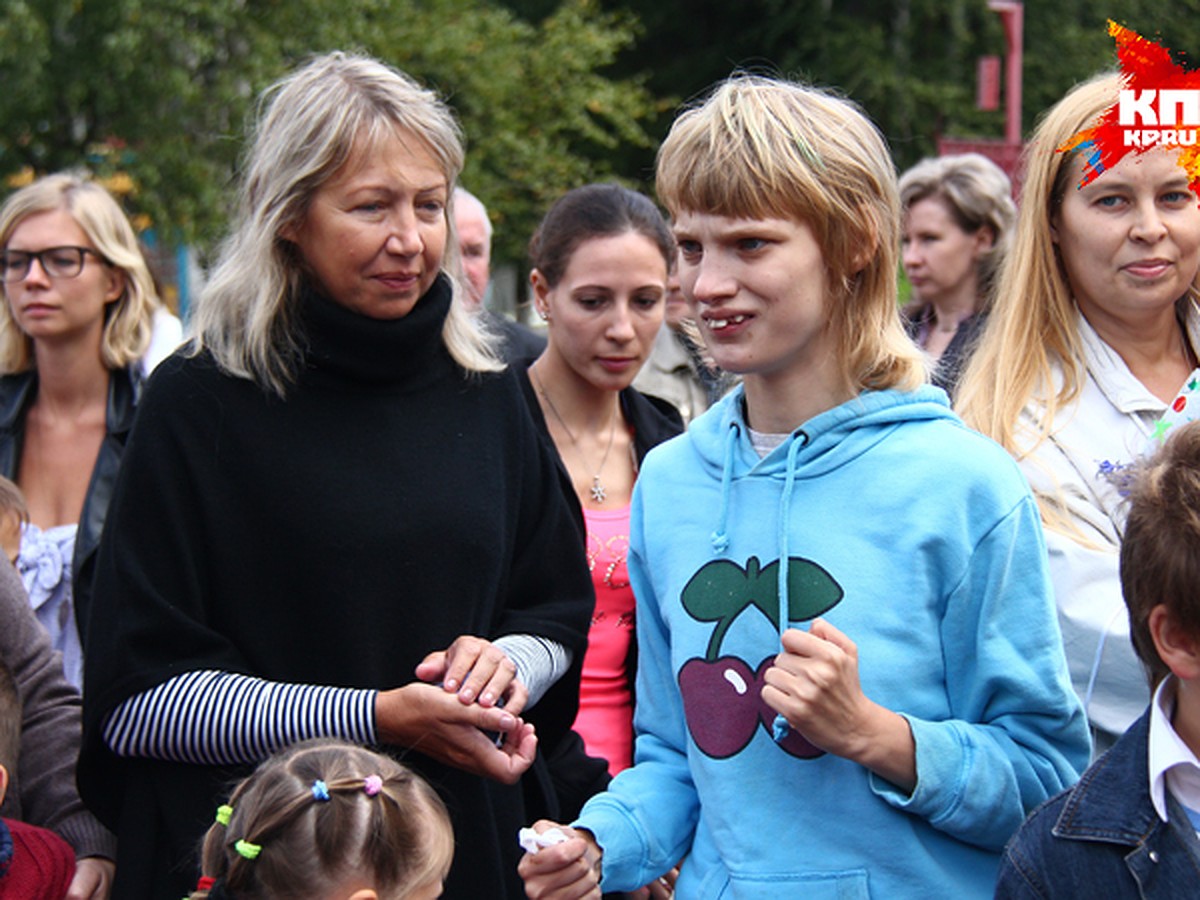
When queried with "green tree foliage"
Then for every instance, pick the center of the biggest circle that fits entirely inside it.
(1068, 41)
(161, 91)
(910, 63)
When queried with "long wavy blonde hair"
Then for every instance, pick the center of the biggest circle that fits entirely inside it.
(311, 122)
(1033, 331)
(762, 148)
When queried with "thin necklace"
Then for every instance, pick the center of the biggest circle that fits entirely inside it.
(598, 491)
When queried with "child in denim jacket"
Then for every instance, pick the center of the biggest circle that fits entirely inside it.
(1130, 827)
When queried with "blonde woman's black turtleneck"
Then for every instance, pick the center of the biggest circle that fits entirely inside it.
(389, 504)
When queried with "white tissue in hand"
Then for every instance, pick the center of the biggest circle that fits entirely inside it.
(531, 841)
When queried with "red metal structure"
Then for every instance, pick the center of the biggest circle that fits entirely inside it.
(1006, 153)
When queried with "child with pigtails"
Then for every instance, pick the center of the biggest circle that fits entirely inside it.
(328, 819)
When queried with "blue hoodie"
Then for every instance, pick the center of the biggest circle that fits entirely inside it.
(918, 539)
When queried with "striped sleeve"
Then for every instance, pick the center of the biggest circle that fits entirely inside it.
(540, 662)
(210, 717)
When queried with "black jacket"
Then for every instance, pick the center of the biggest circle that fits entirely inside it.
(17, 393)
(954, 358)
(565, 776)
(389, 504)
(517, 341)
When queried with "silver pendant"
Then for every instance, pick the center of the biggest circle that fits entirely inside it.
(598, 492)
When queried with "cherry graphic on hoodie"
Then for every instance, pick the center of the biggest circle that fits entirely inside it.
(722, 695)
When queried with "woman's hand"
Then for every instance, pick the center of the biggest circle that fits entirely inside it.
(426, 718)
(476, 670)
(93, 879)
(566, 871)
(814, 684)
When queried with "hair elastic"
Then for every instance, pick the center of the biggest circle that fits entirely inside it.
(372, 784)
(205, 883)
(247, 850)
(224, 813)
(320, 790)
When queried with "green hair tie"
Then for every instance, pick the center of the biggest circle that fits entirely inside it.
(247, 850)
(223, 814)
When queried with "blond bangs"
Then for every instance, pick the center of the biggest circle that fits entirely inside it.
(760, 148)
(739, 159)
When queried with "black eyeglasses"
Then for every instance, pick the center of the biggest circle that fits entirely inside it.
(56, 262)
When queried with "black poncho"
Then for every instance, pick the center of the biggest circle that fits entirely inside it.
(390, 504)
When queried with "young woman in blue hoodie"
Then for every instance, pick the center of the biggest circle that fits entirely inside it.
(850, 683)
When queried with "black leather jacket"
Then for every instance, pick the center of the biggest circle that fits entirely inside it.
(17, 393)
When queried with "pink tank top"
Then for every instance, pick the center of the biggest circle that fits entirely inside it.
(605, 719)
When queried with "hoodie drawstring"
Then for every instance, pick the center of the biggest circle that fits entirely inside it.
(780, 727)
(720, 537)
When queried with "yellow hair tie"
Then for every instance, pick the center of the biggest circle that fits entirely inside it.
(223, 814)
(247, 850)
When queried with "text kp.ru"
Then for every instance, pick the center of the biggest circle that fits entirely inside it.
(1156, 117)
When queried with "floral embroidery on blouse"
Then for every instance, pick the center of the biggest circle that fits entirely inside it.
(44, 563)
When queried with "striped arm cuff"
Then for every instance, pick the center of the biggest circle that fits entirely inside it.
(210, 717)
(540, 662)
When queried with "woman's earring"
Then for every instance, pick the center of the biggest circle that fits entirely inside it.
(544, 314)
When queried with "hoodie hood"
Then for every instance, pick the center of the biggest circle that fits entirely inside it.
(822, 444)
(830, 439)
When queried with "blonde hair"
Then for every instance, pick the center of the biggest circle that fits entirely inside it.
(762, 148)
(128, 319)
(310, 123)
(398, 838)
(12, 501)
(1033, 326)
(977, 194)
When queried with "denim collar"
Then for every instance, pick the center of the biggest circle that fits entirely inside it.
(1111, 803)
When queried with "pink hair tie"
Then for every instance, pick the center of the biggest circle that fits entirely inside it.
(372, 784)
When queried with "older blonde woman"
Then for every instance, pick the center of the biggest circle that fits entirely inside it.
(339, 520)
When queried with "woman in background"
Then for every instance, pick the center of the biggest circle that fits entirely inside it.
(76, 321)
(600, 262)
(958, 214)
(1088, 357)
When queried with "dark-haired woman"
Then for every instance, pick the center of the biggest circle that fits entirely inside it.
(600, 262)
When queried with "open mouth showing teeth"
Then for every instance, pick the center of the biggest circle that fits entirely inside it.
(717, 324)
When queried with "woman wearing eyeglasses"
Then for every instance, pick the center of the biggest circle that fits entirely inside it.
(79, 303)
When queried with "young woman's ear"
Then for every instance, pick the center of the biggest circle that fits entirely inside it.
(1178, 648)
(861, 258)
(541, 293)
(116, 285)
